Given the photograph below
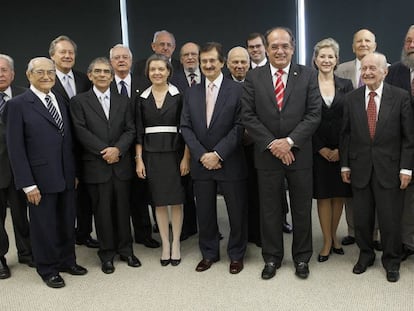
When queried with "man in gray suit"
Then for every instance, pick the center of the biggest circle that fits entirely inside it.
(401, 74)
(8, 193)
(281, 121)
(377, 149)
(363, 44)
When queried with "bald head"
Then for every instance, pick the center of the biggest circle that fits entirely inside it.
(238, 62)
(363, 43)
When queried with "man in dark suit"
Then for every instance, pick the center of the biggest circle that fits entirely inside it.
(162, 43)
(281, 121)
(123, 83)
(8, 193)
(39, 142)
(377, 150)
(104, 126)
(210, 125)
(401, 74)
(70, 82)
(184, 78)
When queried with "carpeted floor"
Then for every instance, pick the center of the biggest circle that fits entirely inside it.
(330, 286)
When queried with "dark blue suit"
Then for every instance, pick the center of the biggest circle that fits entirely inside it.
(40, 154)
(224, 136)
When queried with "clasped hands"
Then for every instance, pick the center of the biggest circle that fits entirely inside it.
(110, 155)
(331, 155)
(210, 161)
(280, 148)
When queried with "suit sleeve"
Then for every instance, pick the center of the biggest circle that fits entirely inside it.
(128, 135)
(344, 136)
(407, 130)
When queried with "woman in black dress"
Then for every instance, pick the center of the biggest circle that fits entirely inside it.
(328, 188)
(161, 156)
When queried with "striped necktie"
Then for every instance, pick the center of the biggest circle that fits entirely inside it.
(2, 102)
(279, 89)
(54, 113)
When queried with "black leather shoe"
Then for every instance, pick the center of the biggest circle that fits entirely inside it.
(348, 240)
(55, 281)
(75, 270)
(377, 246)
(89, 242)
(339, 251)
(4, 269)
(148, 242)
(393, 276)
(360, 268)
(406, 253)
(132, 261)
(204, 265)
(322, 258)
(287, 228)
(175, 262)
(165, 262)
(269, 270)
(27, 261)
(108, 267)
(302, 270)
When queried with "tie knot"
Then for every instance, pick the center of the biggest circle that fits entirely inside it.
(280, 73)
(211, 86)
(192, 75)
(372, 94)
(2, 95)
(122, 82)
(48, 99)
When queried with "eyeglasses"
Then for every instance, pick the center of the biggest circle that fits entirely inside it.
(252, 47)
(100, 71)
(5, 70)
(118, 57)
(41, 73)
(190, 54)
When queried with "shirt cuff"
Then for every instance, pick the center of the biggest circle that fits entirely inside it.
(290, 141)
(345, 169)
(406, 172)
(29, 188)
(218, 156)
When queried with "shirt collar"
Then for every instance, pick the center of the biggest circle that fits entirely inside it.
(98, 93)
(273, 69)
(378, 90)
(61, 75)
(216, 82)
(127, 79)
(171, 89)
(8, 92)
(42, 95)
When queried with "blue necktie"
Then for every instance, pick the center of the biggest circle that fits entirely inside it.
(124, 91)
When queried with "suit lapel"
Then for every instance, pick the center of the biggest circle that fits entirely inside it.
(113, 106)
(41, 109)
(291, 82)
(386, 106)
(266, 76)
(96, 105)
(361, 112)
(220, 101)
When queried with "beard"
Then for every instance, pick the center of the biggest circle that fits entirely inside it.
(407, 58)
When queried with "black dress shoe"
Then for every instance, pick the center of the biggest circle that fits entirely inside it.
(108, 267)
(148, 242)
(322, 258)
(55, 281)
(27, 261)
(406, 253)
(132, 261)
(302, 270)
(348, 240)
(4, 269)
(165, 262)
(339, 251)
(175, 262)
(204, 265)
(287, 228)
(89, 242)
(393, 276)
(360, 268)
(377, 246)
(75, 270)
(269, 270)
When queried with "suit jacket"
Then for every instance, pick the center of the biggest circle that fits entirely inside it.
(224, 134)
(138, 73)
(391, 149)
(39, 153)
(298, 119)
(328, 132)
(347, 70)
(95, 132)
(82, 84)
(135, 91)
(6, 175)
(399, 75)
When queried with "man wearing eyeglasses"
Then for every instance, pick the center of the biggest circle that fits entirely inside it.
(256, 48)
(40, 147)
(105, 128)
(69, 82)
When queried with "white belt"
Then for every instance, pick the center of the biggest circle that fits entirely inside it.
(160, 129)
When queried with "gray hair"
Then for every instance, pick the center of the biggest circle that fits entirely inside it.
(238, 48)
(156, 34)
(31, 63)
(100, 60)
(9, 60)
(111, 51)
(52, 47)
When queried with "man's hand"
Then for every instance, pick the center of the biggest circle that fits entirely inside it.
(405, 180)
(346, 177)
(210, 161)
(34, 196)
(110, 154)
(279, 147)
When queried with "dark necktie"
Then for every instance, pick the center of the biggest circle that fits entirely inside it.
(53, 112)
(124, 91)
(372, 114)
(192, 79)
(279, 89)
(2, 102)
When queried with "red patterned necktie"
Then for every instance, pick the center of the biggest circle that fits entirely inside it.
(279, 89)
(372, 114)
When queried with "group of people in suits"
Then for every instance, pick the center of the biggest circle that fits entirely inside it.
(73, 141)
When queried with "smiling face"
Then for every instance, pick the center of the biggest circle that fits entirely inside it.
(6, 74)
(326, 60)
(256, 50)
(210, 64)
(121, 60)
(238, 63)
(280, 49)
(189, 56)
(158, 72)
(164, 44)
(364, 43)
(373, 70)
(101, 76)
(42, 75)
(64, 56)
